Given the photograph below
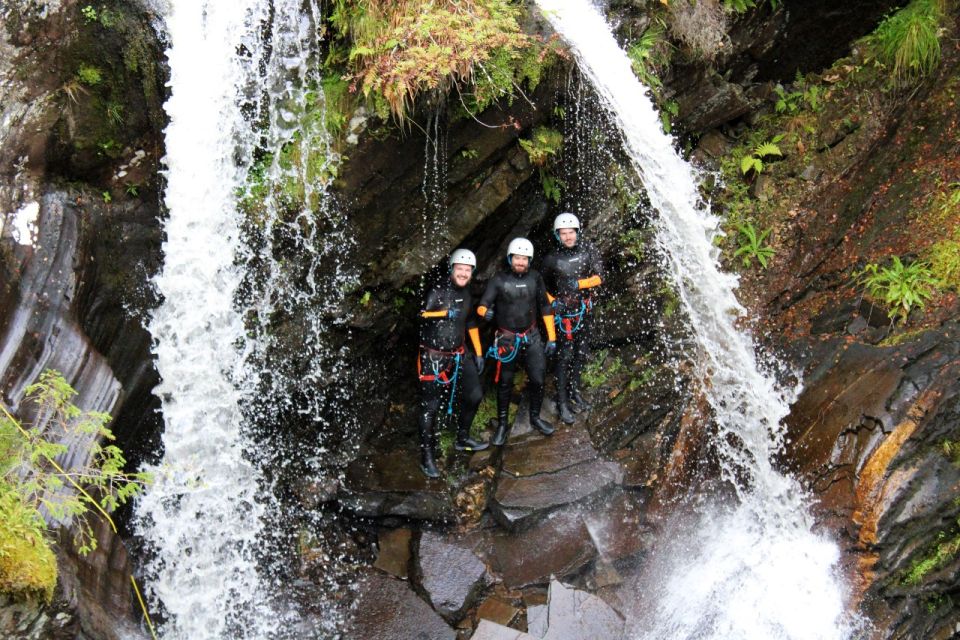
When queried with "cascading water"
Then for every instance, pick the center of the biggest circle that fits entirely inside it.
(203, 519)
(754, 570)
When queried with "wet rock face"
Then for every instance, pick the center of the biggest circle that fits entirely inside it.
(387, 609)
(541, 474)
(451, 574)
(869, 433)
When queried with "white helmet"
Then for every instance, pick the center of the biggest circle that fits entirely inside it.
(520, 247)
(463, 256)
(566, 221)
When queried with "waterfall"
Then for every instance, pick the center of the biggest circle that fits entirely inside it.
(753, 570)
(239, 84)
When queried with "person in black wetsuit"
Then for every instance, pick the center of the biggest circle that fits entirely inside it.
(516, 299)
(571, 274)
(446, 369)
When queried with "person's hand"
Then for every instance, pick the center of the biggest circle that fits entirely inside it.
(550, 349)
(478, 361)
(488, 316)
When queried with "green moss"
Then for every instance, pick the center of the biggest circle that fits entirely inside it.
(599, 371)
(89, 75)
(942, 553)
(28, 567)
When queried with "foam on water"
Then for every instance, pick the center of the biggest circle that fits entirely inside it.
(754, 570)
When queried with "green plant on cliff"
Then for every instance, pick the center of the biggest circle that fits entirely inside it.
(753, 162)
(908, 41)
(542, 148)
(900, 287)
(646, 56)
(944, 550)
(752, 246)
(37, 493)
(944, 260)
(89, 75)
(544, 144)
(395, 51)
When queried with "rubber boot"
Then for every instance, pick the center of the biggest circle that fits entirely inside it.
(428, 447)
(503, 428)
(466, 443)
(563, 409)
(541, 425)
(536, 402)
(581, 404)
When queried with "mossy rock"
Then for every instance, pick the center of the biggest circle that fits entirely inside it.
(28, 567)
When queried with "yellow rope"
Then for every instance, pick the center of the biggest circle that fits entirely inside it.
(143, 606)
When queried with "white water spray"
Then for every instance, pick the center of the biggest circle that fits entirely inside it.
(203, 516)
(756, 570)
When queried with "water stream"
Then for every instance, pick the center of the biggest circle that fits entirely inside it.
(240, 87)
(754, 569)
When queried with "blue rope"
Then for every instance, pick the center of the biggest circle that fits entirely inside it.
(518, 339)
(435, 366)
(558, 318)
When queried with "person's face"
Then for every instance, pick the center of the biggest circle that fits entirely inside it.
(568, 237)
(520, 264)
(461, 274)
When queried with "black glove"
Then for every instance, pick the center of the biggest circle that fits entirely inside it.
(479, 362)
(488, 316)
(550, 349)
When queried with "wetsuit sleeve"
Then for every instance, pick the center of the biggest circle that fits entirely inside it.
(431, 308)
(489, 296)
(596, 267)
(546, 310)
(548, 272)
(474, 334)
(589, 283)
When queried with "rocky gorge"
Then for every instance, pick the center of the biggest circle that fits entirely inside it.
(545, 538)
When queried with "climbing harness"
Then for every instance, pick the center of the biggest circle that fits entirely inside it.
(445, 375)
(569, 323)
(505, 352)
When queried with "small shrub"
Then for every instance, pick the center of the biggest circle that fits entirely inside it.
(900, 287)
(544, 144)
(944, 260)
(752, 247)
(700, 25)
(642, 54)
(908, 41)
(32, 480)
(89, 75)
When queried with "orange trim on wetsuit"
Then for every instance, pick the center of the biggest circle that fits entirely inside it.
(550, 297)
(443, 313)
(481, 311)
(589, 283)
(551, 329)
(475, 340)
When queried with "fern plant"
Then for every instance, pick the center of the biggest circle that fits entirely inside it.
(901, 287)
(754, 161)
(752, 246)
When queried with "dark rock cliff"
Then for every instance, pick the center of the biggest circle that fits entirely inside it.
(868, 433)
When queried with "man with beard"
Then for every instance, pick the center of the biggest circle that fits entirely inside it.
(445, 369)
(571, 274)
(516, 299)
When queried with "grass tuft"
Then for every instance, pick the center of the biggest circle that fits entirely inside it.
(908, 41)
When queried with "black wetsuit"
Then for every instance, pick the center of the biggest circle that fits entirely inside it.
(518, 301)
(440, 339)
(561, 271)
